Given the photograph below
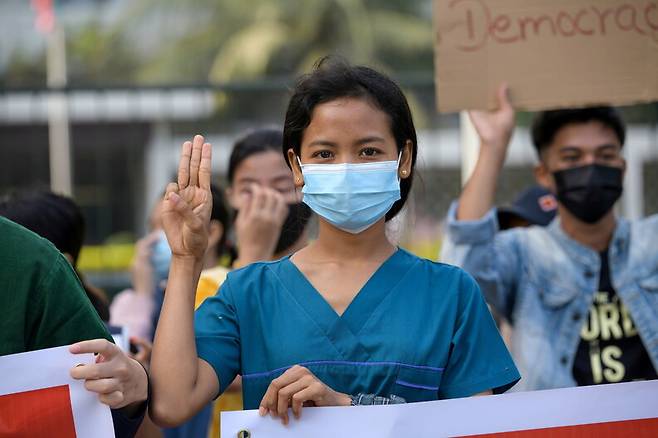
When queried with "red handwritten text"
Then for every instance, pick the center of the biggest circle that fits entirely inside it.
(483, 25)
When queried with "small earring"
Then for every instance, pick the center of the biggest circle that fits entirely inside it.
(404, 172)
(298, 179)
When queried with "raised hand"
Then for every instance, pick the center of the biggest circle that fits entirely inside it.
(259, 223)
(188, 203)
(142, 271)
(495, 128)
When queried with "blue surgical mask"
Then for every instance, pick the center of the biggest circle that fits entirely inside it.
(160, 257)
(351, 196)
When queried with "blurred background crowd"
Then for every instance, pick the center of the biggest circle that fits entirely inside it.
(141, 75)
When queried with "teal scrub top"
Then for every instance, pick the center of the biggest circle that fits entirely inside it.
(417, 329)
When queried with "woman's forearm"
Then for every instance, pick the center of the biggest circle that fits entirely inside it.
(478, 195)
(174, 362)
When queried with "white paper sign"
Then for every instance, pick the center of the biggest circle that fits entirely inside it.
(617, 409)
(42, 369)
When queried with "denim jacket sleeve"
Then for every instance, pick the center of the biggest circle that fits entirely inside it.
(490, 256)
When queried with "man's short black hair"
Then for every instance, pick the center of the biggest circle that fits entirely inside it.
(52, 216)
(548, 123)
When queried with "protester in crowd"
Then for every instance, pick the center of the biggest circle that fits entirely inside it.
(533, 206)
(270, 219)
(580, 292)
(58, 219)
(347, 315)
(43, 305)
(258, 176)
(134, 307)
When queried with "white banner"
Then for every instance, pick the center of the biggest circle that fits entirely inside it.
(622, 409)
(38, 394)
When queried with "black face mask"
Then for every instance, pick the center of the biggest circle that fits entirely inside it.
(589, 192)
(293, 227)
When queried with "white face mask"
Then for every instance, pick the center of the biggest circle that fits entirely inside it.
(351, 196)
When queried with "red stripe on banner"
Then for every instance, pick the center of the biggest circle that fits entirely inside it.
(38, 413)
(645, 428)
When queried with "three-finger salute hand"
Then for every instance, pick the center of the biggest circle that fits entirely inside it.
(188, 203)
(259, 222)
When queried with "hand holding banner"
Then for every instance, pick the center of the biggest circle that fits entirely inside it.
(38, 397)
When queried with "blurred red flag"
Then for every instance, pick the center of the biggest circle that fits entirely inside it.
(38, 413)
(45, 15)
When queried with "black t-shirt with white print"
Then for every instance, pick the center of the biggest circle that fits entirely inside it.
(610, 349)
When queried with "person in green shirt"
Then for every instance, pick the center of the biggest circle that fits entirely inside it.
(43, 305)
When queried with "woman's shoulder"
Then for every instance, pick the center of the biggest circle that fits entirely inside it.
(442, 274)
(256, 272)
(435, 267)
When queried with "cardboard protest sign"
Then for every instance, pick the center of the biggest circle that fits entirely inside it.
(39, 398)
(553, 53)
(616, 410)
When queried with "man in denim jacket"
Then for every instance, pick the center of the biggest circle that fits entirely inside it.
(582, 293)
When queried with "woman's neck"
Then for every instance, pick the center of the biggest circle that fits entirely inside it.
(334, 244)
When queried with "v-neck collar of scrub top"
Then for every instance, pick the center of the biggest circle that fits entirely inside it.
(384, 280)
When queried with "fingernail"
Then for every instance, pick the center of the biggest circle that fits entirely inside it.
(262, 411)
(74, 348)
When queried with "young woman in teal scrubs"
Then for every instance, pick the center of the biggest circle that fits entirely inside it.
(348, 315)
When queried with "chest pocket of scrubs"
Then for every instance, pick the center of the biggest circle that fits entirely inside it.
(417, 384)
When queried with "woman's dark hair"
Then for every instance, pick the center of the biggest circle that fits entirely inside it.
(220, 213)
(333, 78)
(58, 219)
(255, 142)
(51, 216)
(547, 123)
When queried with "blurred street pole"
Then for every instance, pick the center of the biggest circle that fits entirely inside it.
(632, 200)
(58, 115)
(470, 145)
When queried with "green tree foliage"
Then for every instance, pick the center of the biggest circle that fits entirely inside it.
(24, 71)
(97, 56)
(228, 40)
